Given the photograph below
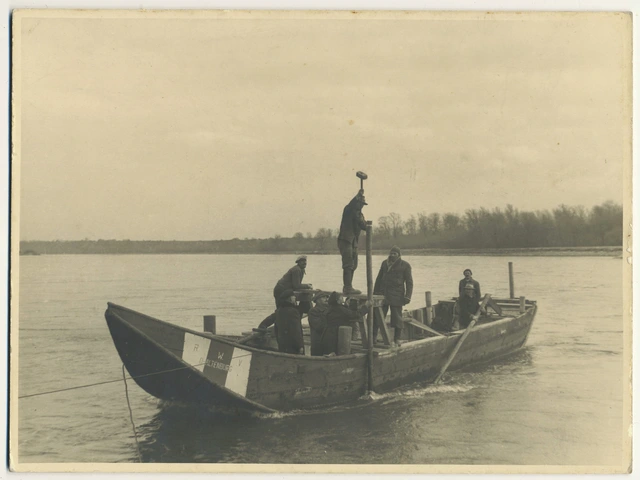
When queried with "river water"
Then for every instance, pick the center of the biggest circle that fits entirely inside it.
(558, 401)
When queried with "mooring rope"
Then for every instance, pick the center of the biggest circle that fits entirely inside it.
(135, 434)
(118, 380)
(107, 381)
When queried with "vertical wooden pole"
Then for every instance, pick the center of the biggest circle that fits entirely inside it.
(522, 305)
(344, 341)
(370, 314)
(429, 317)
(210, 323)
(511, 290)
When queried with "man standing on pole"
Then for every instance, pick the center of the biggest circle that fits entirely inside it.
(352, 224)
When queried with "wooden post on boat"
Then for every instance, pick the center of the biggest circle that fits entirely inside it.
(210, 323)
(370, 314)
(344, 341)
(511, 290)
(429, 317)
(522, 305)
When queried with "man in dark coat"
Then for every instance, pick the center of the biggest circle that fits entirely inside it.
(318, 322)
(292, 280)
(338, 315)
(395, 282)
(468, 280)
(467, 306)
(351, 225)
(288, 324)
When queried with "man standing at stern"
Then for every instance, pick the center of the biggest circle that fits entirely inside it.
(395, 282)
(352, 224)
(468, 280)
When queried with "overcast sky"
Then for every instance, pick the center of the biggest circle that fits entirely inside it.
(188, 128)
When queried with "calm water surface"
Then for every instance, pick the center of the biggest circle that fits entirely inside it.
(557, 401)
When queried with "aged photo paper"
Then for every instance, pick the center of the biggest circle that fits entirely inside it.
(173, 165)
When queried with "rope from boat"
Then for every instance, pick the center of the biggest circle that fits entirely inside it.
(118, 380)
(135, 434)
(107, 381)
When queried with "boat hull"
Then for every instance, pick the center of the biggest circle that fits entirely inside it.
(178, 364)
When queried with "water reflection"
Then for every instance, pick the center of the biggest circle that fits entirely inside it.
(419, 423)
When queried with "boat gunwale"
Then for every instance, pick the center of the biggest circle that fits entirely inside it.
(410, 345)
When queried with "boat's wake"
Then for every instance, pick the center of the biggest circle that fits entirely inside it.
(373, 398)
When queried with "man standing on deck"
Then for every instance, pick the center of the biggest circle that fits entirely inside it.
(395, 282)
(292, 280)
(288, 324)
(468, 280)
(351, 225)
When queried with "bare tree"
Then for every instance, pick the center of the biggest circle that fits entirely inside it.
(322, 238)
(384, 226)
(411, 226)
(423, 223)
(450, 221)
(396, 224)
(434, 222)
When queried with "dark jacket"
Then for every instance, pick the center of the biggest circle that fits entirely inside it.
(352, 223)
(292, 280)
(289, 329)
(317, 324)
(395, 282)
(467, 307)
(463, 283)
(338, 316)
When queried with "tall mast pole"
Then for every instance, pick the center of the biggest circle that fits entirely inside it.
(370, 314)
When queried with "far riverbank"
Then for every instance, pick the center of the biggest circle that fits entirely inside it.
(607, 251)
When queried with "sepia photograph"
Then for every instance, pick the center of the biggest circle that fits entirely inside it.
(278, 241)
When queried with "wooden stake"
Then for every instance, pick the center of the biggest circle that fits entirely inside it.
(511, 289)
(522, 305)
(429, 317)
(370, 298)
(344, 341)
(210, 323)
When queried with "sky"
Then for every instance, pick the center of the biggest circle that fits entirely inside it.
(251, 125)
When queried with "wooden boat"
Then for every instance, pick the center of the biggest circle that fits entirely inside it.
(184, 365)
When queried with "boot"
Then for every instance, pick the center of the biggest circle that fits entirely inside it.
(347, 278)
(397, 335)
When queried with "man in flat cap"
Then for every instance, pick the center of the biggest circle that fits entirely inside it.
(395, 282)
(351, 225)
(468, 280)
(292, 280)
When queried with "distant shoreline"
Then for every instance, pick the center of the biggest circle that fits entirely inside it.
(608, 251)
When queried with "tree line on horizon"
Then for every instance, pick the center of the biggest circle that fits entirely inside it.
(564, 226)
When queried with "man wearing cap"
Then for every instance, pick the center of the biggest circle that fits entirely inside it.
(467, 306)
(339, 315)
(468, 280)
(318, 322)
(292, 280)
(351, 225)
(395, 282)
